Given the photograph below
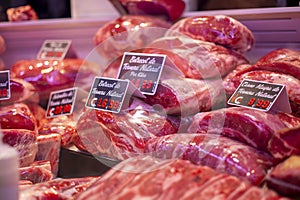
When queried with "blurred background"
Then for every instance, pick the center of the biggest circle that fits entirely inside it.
(47, 9)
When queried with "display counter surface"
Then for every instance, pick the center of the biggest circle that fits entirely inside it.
(272, 27)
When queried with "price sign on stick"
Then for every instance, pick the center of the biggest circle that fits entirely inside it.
(261, 95)
(143, 70)
(4, 85)
(107, 94)
(54, 49)
(61, 102)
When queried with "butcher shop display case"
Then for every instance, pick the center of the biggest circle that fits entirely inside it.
(275, 30)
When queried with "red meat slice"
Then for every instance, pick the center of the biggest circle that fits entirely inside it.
(151, 178)
(185, 96)
(17, 116)
(196, 59)
(122, 135)
(49, 149)
(127, 33)
(170, 9)
(37, 172)
(24, 141)
(285, 177)
(252, 127)
(216, 151)
(21, 13)
(219, 29)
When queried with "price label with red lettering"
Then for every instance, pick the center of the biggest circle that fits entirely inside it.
(61, 102)
(54, 49)
(260, 95)
(4, 85)
(107, 94)
(143, 70)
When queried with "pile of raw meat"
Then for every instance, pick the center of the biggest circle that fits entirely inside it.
(183, 142)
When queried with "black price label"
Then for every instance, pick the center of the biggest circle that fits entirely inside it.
(61, 102)
(54, 49)
(107, 94)
(256, 94)
(4, 85)
(143, 70)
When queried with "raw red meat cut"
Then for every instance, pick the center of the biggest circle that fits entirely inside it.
(39, 113)
(21, 13)
(169, 9)
(292, 83)
(282, 60)
(2, 45)
(186, 96)
(122, 135)
(24, 141)
(194, 58)
(61, 125)
(17, 116)
(58, 189)
(216, 151)
(219, 29)
(128, 33)
(49, 149)
(37, 172)
(151, 178)
(51, 75)
(285, 177)
(252, 127)
(20, 91)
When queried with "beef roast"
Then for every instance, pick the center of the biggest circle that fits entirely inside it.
(219, 29)
(216, 151)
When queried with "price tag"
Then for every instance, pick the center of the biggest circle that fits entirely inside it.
(143, 70)
(61, 102)
(261, 95)
(4, 85)
(54, 49)
(107, 94)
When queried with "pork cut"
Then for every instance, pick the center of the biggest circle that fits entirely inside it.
(24, 141)
(252, 127)
(219, 29)
(151, 178)
(194, 58)
(169, 9)
(122, 135)
(184, 96)
(216, 151)
(127, 33)
(285, 177)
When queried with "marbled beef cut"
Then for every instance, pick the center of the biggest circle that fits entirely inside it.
(216, 151)
(170, 9)
(196, 59)
(36, 172)
(151, 178)
(24, 141)
(256, 128)
(128, 33)
(122, 135)
(184, 96)
(219, 29)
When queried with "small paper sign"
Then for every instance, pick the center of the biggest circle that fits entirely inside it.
(4, 85)
(54, 49)
(143, 70)
(107, 94)
(61, 102)
(261, 95)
